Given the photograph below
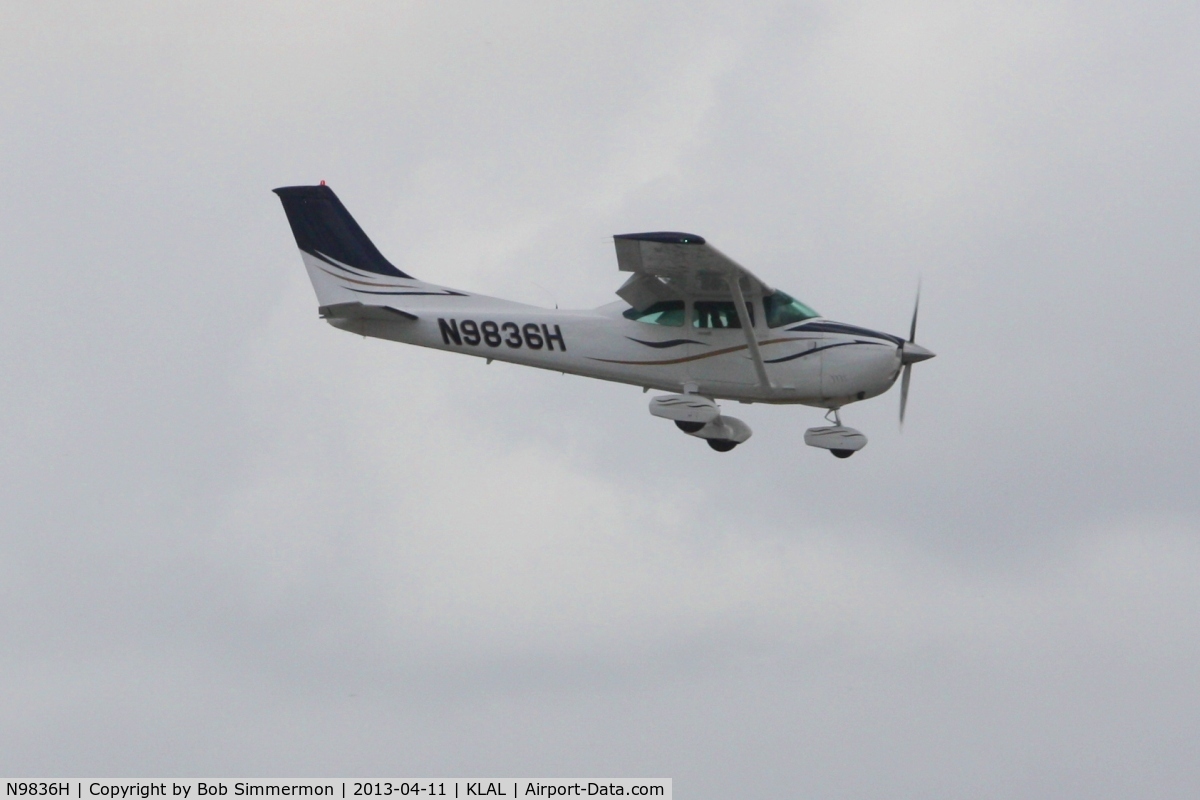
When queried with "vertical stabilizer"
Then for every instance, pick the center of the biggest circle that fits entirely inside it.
(325, 230)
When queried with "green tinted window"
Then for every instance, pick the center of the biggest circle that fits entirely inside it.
(782, 309)
(668, 312)
(718, 314)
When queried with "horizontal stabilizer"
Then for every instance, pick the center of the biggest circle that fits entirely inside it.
(360, 311)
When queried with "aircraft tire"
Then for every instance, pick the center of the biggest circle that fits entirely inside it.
(721, 445)
(842, 453)
(688, 427)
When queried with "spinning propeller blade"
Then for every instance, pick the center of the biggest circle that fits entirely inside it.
(911, 353)
(912, 330)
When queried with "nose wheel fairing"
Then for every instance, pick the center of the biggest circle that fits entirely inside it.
(839, 439)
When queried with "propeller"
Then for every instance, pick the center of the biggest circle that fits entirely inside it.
(911, 353)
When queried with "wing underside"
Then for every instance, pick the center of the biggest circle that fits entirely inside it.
(678, 266)
(682, 266)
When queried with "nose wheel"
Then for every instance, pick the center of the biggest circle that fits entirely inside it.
(838, 439)
(837, 420)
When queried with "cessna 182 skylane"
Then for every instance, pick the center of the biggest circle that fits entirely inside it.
(690, 322)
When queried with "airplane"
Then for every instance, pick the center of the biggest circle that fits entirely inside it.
(689, 322)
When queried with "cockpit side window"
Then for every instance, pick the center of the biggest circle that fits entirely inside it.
(667, 312)
(783, 309)
(718, 314)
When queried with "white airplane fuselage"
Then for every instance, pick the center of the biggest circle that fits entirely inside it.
(815, 362)
(691, 322)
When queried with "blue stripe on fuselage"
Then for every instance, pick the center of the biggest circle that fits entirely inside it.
(849, 330)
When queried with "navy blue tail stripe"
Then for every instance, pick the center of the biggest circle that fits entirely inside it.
(321, 224)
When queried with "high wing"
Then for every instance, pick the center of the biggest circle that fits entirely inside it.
(676, 266)
(680, 266)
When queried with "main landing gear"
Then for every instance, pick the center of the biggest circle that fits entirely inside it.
(701, 417)
(720, 445)
(838, 439)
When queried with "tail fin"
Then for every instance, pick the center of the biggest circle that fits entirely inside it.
(324, 229)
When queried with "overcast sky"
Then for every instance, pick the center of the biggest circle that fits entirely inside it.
(236, 542)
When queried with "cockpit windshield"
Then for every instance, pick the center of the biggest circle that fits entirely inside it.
(668, 312)
(783, 309)
(779, 308)
(718, 314)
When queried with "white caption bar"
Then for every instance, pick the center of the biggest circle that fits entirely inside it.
(424, 788)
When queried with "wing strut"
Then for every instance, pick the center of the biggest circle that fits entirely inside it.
(735, 286)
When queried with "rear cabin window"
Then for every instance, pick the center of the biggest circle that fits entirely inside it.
(718, 314)
(668, 312)
(783, 309)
